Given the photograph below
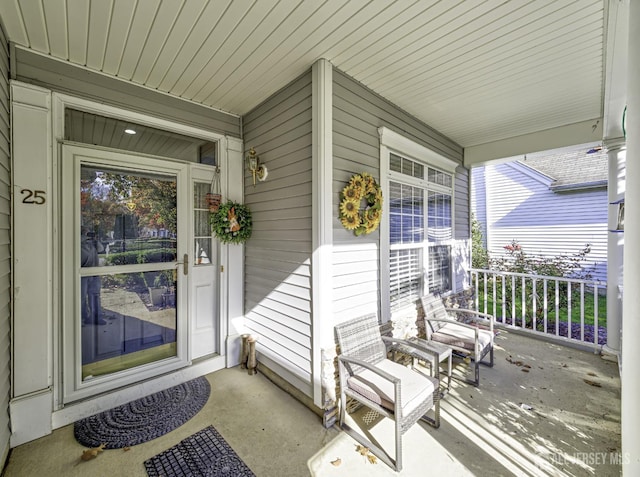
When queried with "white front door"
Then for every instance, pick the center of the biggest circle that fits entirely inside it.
(204, 330)
(126, 253)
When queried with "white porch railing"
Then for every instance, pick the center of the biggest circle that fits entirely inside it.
(543, 304)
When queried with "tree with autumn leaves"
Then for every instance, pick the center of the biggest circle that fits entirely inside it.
(106, 195)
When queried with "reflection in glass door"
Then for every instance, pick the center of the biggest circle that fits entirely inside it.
(128, 259)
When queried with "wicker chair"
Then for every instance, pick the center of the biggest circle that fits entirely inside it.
(391, 389)
(468, 337)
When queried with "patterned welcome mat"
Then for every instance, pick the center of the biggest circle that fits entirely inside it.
(205, 454)
(144, 419)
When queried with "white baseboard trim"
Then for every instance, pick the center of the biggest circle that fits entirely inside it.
(30, 417)
(234, 349)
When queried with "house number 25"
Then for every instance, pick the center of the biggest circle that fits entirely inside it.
(36, 197)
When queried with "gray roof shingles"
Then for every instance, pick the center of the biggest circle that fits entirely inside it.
(573, 169)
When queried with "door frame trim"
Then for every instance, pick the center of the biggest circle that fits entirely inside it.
(59, 103)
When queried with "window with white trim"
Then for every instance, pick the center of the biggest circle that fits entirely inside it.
(420, 230)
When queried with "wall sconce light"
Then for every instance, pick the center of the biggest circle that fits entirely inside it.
(258, 170)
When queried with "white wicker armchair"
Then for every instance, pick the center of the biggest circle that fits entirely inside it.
(391, 389)
(472, 337)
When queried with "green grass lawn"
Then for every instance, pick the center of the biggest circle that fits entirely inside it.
(563, 312)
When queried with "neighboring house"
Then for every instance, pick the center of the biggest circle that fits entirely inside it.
(551, 204)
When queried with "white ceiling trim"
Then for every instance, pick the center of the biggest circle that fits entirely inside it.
(556, 138)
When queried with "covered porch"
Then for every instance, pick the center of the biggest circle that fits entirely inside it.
(561, 417)
(413, 94)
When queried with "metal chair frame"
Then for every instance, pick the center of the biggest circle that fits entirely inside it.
(437, 317)
(362, 347)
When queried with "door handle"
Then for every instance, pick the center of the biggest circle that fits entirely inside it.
(184, 263)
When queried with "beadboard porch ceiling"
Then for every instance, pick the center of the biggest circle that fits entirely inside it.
(477, 71)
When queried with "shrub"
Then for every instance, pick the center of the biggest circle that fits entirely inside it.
(479, 254)
(517, 261)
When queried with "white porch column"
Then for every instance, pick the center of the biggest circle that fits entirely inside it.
(616, 151)
(322, 230)
(631, 302)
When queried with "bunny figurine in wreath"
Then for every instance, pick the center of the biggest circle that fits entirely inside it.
(231, 223)
(234, 226)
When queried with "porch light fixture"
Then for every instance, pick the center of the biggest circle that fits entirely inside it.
(258, 170)
(130, 131)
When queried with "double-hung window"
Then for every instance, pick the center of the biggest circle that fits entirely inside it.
(420, 228)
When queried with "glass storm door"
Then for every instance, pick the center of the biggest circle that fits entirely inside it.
(125, 227)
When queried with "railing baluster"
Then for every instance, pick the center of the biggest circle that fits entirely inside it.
(534, 303)
(546, 305)
(493, 276)
(485, 292)
(569, 315)
(524, 302)
(582, 311)
(509, 315)
(504, 298)
(513, 300)
(557, 308)
(596, 325)
(477, 298)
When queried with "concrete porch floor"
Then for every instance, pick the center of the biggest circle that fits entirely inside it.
(572, 428)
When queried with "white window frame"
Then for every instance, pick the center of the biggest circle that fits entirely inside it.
(392, 142)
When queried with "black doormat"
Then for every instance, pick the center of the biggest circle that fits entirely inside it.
(144, 419)
(204, 453)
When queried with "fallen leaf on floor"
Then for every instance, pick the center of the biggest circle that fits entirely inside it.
(564, 365)
(524, 370)
(92, 453)
(336, 462)
(362, 449)
(591, 373)
(526, 366)
(592, 383)
(125, 449)
(518, 363)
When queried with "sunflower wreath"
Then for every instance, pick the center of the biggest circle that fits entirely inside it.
(232, 222)
(361, 204)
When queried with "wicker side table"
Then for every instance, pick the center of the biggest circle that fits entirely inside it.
(443, 352)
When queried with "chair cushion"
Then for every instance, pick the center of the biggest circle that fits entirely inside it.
(461, 336)
(416, 388)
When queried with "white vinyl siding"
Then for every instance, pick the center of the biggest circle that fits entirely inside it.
(278, 255)
(357, 114)
(479, 200)
(521, 207)
(5, 253)
(461, 249)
